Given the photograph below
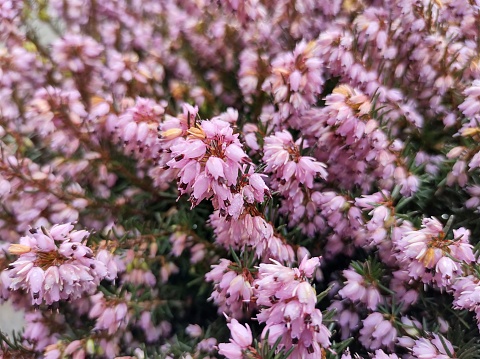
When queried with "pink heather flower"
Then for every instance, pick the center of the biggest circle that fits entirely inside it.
(110, 315)
(282, 156)
(76, 52)
(153, 332)
(76, 348)
(296, 78)
(357, 289)
(251, 231)
(377, 332)
(52, 111)
(432, 348)
(431, 162)
(293, 176)
(194, 330)
(471, 106)
(55, 265)
(208, 161)
(232, 291)
(346, 316)
(474, 201)
(52, 352)
(413, 329)
(38, 330)
(240, 334)
(137, 128)
(109, 262)
(241, 340)
(404, 291)
(466, 291)
(230, 350)
(248, 72)
(380, 209)
(208, 345)
(250, 132)
(458, 174)
(289, 308)
(428, 248)
(407, 181)
(142, 276)
(178, 241)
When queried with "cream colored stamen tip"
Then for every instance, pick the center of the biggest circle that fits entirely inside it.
(196, 132)
(171, 133)
(19, 249)
(344, 90)
(470, 131)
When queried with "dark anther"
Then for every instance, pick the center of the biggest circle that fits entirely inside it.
(89, 255)
(179, 157)
(294, 340)
(36, 295)
(32, 230)
(74, 247)
(273, 299)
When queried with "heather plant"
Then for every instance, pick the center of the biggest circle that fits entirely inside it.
(241, 179)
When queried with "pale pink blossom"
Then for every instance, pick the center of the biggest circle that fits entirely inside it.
(57, 265)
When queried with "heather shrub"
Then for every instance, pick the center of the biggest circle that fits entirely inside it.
(242, 179)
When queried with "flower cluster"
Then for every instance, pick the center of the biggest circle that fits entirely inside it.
(164, 164)
(289, 308)
(56, 265)
(430, 256)
(209, 160)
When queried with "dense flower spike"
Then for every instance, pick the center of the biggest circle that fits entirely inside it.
(56, 265)
(430, 256)
(215, 150)
(232, 288)
(208, 160)
(289, 308)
